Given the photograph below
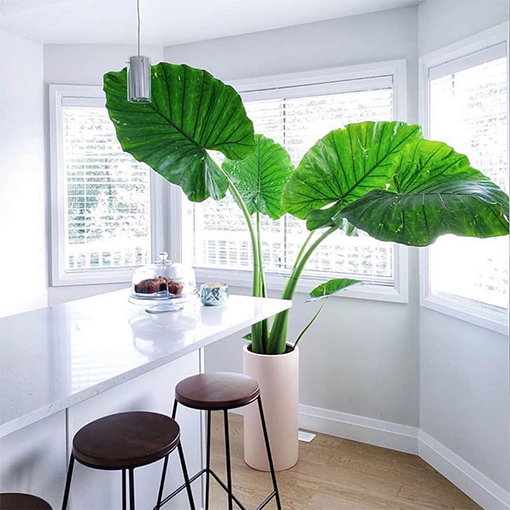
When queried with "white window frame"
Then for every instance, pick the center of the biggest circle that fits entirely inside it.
(319, 82)
(93, 95)
(466, 310)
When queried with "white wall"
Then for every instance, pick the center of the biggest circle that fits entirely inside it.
(464, 369)
(361, 357)
(82, 64)
(85, 64)
(23, 178)
(464, 399)
(443, 22)
(368, 38)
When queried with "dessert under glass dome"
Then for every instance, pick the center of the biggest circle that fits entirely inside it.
(163, 281)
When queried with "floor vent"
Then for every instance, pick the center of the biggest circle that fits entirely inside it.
(307, 437)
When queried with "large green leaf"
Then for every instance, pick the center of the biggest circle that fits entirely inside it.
(345, 165)
(331, 288)
(261, 177)
(331, 216)
(191, 112)
(435, 192)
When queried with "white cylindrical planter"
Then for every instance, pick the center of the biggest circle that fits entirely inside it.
(278, 376)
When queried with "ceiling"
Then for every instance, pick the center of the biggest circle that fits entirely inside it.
(167, 22)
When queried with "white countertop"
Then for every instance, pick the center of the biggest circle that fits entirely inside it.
(53, 358)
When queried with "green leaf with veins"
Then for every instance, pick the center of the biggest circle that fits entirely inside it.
(436, 191)
(330, 217)
(332, 287)
(345, 165)
(261, 177)
(191, 112)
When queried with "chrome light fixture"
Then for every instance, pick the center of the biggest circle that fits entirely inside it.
(139, 72)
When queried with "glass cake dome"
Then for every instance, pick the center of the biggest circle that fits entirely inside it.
(164, 280)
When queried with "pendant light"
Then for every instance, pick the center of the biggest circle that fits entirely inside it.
(139, 72)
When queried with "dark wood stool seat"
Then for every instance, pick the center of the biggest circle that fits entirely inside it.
(126, 440)
(217, 391)
(222, 391)
(19, 501)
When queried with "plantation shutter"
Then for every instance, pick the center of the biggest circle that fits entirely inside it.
(296, 117)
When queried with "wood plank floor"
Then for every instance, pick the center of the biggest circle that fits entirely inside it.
(336, 474)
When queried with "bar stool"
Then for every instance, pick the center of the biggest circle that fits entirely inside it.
(221, 391)
(19, 501)
(125, 441)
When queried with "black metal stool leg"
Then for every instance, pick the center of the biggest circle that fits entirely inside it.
(186, 477)
(124, 502)
(162, 483)
(229, 467)
(208, 461)
(131, 489)
(183, 465)
(269, 456)
(68, 482)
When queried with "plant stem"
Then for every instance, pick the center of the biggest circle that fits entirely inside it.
(257, 288)
(278, 335)
(310, 323)
(261, 260)
(263, 325)
(290, 288)
(303, 248)
(258, 284)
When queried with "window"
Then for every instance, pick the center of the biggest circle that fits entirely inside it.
(468, 109)
(215, 236)
(101, 199)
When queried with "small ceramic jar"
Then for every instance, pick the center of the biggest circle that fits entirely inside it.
(213, 294)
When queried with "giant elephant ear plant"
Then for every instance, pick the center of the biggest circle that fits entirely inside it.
(380, 177)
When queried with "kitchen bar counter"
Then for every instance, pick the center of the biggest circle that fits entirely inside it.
(55, 357)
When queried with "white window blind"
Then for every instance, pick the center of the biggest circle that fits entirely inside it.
(214, 233)
(107, 194)
(468, 110)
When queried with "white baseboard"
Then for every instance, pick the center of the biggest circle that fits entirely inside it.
(467, 478)
(404, 438)
(359, 428)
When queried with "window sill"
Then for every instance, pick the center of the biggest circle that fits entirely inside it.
(475, 314)
(237, 278)
(277, 282)
(94, 277)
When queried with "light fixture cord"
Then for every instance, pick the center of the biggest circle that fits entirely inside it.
(138, 17)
